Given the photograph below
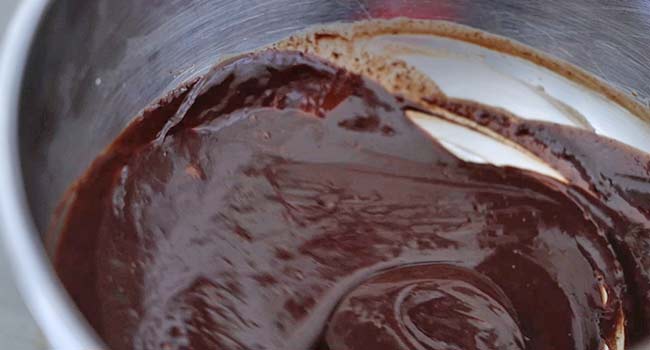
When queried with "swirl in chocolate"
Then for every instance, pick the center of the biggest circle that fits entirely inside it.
(281, 202)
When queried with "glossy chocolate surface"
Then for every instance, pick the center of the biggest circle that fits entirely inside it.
(280, 202)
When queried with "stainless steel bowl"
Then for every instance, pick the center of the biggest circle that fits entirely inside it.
(74, 72)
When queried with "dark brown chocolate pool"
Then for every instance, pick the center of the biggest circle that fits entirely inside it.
(281, 202)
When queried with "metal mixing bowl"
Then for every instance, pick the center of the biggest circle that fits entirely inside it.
(74, 72)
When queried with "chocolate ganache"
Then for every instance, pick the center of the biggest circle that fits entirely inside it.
(282, 202)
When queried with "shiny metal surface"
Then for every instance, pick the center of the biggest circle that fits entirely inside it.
(74, 72)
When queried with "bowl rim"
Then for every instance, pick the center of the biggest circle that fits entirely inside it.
(54, 312)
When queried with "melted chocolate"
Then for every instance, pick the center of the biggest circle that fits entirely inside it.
(280, 202)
